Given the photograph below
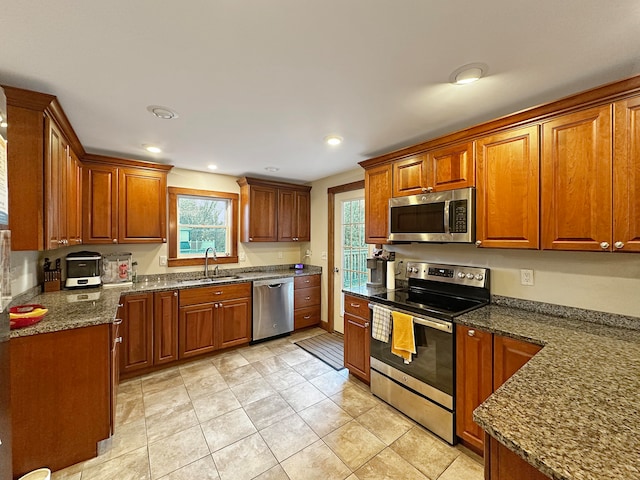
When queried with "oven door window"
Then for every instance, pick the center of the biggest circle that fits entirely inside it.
(426, 218)
(433, 362)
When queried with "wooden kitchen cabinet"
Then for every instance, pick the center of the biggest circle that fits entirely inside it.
(74, 198)
(503, 464)
(274, 211)
(507, 189)
(233, 322)
(410, 176)
(56, 150)
(137, 333)
(357, 337)
(306, 301)
(165, 327)
(377, 192)
(484, 361)
(116, 340)
(125, 201)
(196, 330)
(60, 397)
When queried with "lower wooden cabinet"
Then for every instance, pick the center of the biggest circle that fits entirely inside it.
(196, 330)
(165, 327)
(137, 333)
(116, 339)
(483, 362)
(306, 303)
(502, 464)
(233, 323)
(357, 337)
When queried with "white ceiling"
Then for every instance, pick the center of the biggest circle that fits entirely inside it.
(260, 83)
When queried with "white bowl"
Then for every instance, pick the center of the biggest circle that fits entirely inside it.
(40, 474)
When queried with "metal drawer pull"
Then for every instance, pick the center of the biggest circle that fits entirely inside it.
(307, 317)
(119, 340)
(366, 325)
(117, 321)
(355, 305)
(120, 305)
(307, 298)
(218, 293)
(471, 333)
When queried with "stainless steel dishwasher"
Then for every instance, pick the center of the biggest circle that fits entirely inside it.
(272, 308)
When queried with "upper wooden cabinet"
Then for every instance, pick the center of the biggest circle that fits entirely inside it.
(507, 189)
(410, 176)
(577, 181)
(274, 211)
(377, 192)
(74, 199)
(125, 201)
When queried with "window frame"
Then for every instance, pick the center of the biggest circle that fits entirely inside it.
(174, 192)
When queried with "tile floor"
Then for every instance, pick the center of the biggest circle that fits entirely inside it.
(270, 411)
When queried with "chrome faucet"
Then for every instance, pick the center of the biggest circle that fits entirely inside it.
(206, 261)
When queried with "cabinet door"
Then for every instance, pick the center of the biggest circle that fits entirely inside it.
(55, 189)
(196, 330)
(263, 215)
(74, 199)
(576, 181)
(509, 355)
(626, 176)
(451, 167)
(303, 216)
(507, 197)
(115, 369)
(233, 322)
(100, 200)
(357, 338)
(506, 465)
(410, 176)
(377, 192)
(165, 327)
(142, 206)
(287, 221)
(474, 384)
(137, 332)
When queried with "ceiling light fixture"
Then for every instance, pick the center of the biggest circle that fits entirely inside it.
(271, 169)
(152, 148)
(333, 140)
(164, 113)
(212, 167)
(468, 73)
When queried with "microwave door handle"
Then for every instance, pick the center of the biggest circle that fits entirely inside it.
(447, 218)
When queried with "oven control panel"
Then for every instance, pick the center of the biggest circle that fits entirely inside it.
(458, 274)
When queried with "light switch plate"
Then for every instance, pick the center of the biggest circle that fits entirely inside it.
(163, 260)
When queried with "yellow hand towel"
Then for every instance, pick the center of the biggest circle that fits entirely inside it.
(403, 342)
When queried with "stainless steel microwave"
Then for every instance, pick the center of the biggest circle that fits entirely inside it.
(442, 217)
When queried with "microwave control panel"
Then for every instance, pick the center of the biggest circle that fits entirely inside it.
(458, 216)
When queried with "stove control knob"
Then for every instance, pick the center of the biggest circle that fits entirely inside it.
(461, 275)
(415, 270)
(470, 276)
(479, 276)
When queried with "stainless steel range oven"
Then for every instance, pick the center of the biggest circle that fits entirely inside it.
(424, 389)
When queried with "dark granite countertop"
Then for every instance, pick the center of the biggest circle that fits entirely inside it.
(78, 308)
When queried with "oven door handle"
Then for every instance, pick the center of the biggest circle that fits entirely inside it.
(443, 327)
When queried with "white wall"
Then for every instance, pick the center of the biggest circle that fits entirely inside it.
(24, 271)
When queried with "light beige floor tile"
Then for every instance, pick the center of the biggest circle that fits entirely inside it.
(70, 473)
(283, 379)
(252, 391)
(207, 385)
(294, 357)
(240, 375)
(203, 469)
(270, 365)
(176, 451)
(229, 361)
(385, 423)
(191, 374)
(268, 411)
(130, 466)
(256, 353)
(130, 390)
(226, 429)
(303, 334)
(463, 467)
(302, 396)
(127, 438)
(330, 383)
(288, 436)
(170, 421)
(312, 368)
(389, 465)
(161, 381)
(316, 462)
(353, 477)
(169, 398)
(244, 459)
(274, 473)
(129, 411)
(214, 405)
(325, 417)
(354, 444)
(429, 455)
(354, 401)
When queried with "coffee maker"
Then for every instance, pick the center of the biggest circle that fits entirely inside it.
(378, 271)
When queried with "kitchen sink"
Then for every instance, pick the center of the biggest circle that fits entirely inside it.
(206, 281)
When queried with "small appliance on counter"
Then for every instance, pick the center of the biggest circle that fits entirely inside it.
(117, 269)
(378, 268)
(83, 270)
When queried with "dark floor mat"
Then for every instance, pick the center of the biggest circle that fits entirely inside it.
(328, 347)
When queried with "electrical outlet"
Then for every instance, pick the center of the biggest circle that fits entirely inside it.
(242, 257)
(163, 260)
(324, 256)
(526, 277)
(280, 255)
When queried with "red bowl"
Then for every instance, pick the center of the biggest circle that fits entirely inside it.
(19, 321)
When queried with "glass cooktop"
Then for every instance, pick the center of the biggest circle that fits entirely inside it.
(428, 303)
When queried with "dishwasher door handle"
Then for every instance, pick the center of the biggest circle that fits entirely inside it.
(275, 285)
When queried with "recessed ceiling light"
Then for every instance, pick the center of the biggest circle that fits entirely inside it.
(468, 73)
(152, 148)
(165, 113)
(271, 169)
(212, 167)
(333, 140)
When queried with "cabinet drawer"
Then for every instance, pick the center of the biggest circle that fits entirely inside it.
(194, 296)
(306, 297)
(306, 281)
(356, 306)
(306, 317)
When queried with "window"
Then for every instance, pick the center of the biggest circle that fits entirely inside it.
(354, 250)
(199, 219)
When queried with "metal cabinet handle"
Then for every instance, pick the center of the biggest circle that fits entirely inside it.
(115, 240)
(355, 305)
(366, 325)
(164, 240)
(251, 239)
(79, 240)
(471, 333)
(478, 243)
(307, 281)
(216, 305)
(175, 294)
(619, 245)
(604, 245)
(219, 292)
(307, 317)
(120, 305)
(119, 340)
(117, 321)
(307, 298)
